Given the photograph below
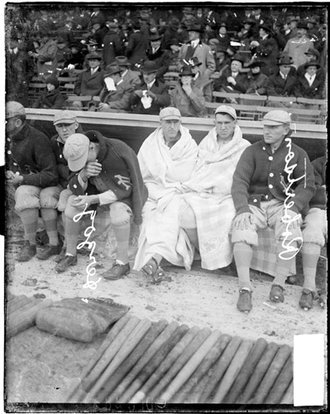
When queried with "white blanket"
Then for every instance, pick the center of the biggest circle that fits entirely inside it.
(165, 170)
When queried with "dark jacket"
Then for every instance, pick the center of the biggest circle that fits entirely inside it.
(260, 172)
(319, 199)
(267, 52)
(277, 86)
(50, 100)
(113, 47)
(315, 91)
(221, 84)
(163, 99)
(257, 83)
(162, 58)
(120, 174)
(31, 154)
(88, 84)
(136, 47)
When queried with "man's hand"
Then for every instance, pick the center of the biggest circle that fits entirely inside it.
(230, 79)
(187, 89)
(103, 107)
(82, 201)
(93, 169)
(14, 179)
(139, 93)
(243, 221)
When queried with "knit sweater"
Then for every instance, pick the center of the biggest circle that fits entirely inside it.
(120, 174)
(261, 175)
(30, 153)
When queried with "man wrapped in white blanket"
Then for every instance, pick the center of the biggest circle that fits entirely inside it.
(189, 204)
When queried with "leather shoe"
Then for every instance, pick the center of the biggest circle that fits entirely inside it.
(306, 299)
(244, 303)
(27, 252)
(117, 271)
(276, 294)
(60, 256)
(48, 251)
(65, 263)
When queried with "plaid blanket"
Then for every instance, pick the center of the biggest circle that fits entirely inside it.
(264, 255)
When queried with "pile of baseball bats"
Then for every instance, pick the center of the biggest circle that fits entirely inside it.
(141, 361)
(21, 313)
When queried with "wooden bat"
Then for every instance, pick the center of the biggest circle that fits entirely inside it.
(109, 353)
(130, 343)
(96, 357)
(185, 393)
(152, 365)
(145, 358)
(272, 373)
(154, 331)
(246, 371)
(220, 369)
(258, 373)
(288, 395)
(190, 367)
(281, 384)
(162, 369)
(233, 370)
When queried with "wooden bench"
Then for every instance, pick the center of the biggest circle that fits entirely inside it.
(253, 99)
(302, 116)
(226, 97)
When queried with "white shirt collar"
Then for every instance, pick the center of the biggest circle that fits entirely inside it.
(194, 43)
(151, 84)
(124, 73)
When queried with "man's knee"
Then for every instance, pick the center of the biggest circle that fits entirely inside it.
(27, 196)
(49, 197)
(120, 214)
(315, 227)
(70, 209)
(63, 199)
(247, 236)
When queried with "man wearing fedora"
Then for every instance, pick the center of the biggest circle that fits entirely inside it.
(298, 45)
(115, 96)
(272, 185)
(283, 83)
(186, 96)
(156, 53)
(151, 95)
(199, 50)
(232, 79)
(128, 76)
(112, 44)
(90, 82)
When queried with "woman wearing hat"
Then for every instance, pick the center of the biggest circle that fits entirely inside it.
(187, 97)
(257, 81)
(311, 84)
(265, 49)
(52, 98)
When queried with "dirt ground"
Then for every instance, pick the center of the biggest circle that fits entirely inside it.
(42, 368)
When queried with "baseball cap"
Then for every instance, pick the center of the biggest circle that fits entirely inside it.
(75, 151)
(64, 117)
(276, 117)
(169, 113)
(225, 109)
(14, 108)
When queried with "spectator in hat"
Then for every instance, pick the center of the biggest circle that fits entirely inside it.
(311, 84)
(265, 49)
(222, 61)
(266, 189)
(90, 46)
(188, 98)
(214, 45)
(112, 44)
(32, 175)
(171, 32)
(107, 176)
(298, 45)
(201, 80)
(232, 79)
(129, 77)
(156, 53)
(76, 57)
(174, 60)
(247, 32)
(282, 83)
(63, 51)
(98, 31)
(199, 50)
(315, 234)
(115, 96)
(151, 95)
(311, 55)
(257, 81)
(52, 98)
(90, 82)
(137, 44)
(224, 38)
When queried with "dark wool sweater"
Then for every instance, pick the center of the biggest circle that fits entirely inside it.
(120, 174)
(319, 199)
(260, 176)
(30, 153)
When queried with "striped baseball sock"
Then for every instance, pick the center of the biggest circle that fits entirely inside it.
(310, 256)
(49, 216)
(122, 233)
(29, 219)
(72, 231)
(243, 256)
(282, 268)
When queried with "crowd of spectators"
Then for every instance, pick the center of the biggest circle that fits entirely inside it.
(122, 55)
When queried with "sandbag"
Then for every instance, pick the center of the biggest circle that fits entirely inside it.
(80, 319)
